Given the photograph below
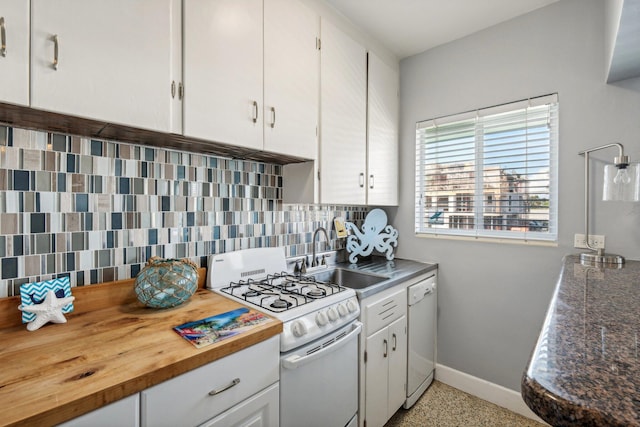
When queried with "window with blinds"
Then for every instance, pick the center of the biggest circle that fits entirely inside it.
(490, 172)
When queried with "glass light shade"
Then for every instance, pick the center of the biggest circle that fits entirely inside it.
(621, 184)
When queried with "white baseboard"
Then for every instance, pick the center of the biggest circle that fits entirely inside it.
(485, 390)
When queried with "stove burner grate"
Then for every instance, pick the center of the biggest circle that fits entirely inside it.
(281, 291)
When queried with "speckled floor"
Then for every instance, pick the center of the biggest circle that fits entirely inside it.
(445, 406)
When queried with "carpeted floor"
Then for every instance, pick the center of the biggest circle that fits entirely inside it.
(445, 406)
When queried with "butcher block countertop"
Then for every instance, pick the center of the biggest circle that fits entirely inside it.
(111, 347)
(585, 368)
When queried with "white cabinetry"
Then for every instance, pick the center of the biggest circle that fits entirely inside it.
(14, 51)
(260, 410)
(343, 95)
(223, 71)
(359, 124)
(382, 135)
(385, 357)
(123, 413)
(251, 74)
(219, 390)
(112, 61)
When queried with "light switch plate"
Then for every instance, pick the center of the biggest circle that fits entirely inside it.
(341, 230)
(595, 240)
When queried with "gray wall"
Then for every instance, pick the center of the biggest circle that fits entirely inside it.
(493, 297)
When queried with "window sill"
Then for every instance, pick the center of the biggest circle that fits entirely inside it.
(516, 241)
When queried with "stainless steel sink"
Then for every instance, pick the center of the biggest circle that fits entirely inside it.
(349, 278)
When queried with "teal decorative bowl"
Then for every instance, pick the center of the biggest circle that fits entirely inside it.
(165, 283)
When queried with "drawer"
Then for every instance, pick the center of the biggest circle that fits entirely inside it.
(382, 309)
(185, 400)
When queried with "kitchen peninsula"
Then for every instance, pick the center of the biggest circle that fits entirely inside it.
(584, 370)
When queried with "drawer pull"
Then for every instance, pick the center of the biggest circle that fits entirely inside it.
(3, 36)
(55, 52)
(225, 388)
(255, 112)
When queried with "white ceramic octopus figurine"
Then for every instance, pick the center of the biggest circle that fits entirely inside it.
(376, 234)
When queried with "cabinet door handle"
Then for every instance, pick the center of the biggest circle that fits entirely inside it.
(386, 349)
(173, 89)
(273, 117)
(55, 52)
(361, 180)
(3, 37)
(395, 342)
(371, 181)
(233, 383)
(255, 112)
(180, 91)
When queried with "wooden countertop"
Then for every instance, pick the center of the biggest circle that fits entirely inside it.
(104, 353)
(585, 368)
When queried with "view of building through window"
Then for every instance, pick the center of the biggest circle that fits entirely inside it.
(491, 174)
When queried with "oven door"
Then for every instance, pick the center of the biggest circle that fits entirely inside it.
(319, 381)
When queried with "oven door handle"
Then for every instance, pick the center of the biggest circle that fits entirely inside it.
(295, 361)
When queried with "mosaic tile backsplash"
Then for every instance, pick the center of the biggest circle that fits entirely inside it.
(97, 210)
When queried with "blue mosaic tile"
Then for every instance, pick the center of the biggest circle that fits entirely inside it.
(37, 223)
(104, 208)
(96, 148)
(82, 203)
(21, 180)
(9, 268)
(59, 142)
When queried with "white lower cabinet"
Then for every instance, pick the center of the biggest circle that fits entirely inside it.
(201, 395)
(260, 410)
(123, 413)
(385, 356)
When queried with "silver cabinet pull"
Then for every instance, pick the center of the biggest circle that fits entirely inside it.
(371, 181)
(395, 342)
(386, 350)
(55, 52)
(361, 179)
(255, 112)
(273, 117)
(173, 89)
(235, 382)
(180, 91)
(3, 37)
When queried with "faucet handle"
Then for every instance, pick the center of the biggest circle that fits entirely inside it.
(303, 268)
(324, 260)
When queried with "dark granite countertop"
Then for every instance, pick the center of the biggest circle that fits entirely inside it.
(398, 271)
(585, 369)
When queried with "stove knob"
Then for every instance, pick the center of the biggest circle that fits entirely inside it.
(321, 318)
(298, 328)
(342, 310)
(333, 314)
(351, 306)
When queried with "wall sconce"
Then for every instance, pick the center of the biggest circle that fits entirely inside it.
(622, 183)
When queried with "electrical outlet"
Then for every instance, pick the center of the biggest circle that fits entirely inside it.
(595, 240)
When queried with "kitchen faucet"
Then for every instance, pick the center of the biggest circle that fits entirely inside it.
(314, 261)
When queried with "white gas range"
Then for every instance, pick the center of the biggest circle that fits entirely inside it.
(318, 345)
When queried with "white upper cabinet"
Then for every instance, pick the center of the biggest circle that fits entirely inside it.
(223, 71)
(251, 74)
(14, 51)
(343, 92)
(382, 180)
(112, 61)
(291, 78)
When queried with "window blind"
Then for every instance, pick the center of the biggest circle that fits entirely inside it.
(490, 172)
